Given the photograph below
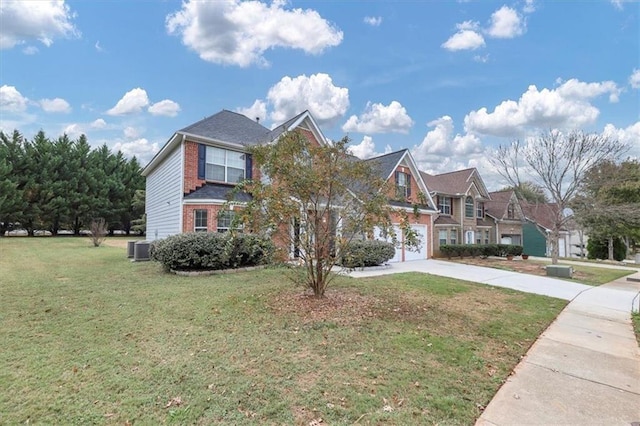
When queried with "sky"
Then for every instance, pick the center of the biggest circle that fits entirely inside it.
(449, 80)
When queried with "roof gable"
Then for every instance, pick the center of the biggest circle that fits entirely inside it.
(456, 183)
(497, 206)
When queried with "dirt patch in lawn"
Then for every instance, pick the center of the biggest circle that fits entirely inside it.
(339, 306)
(115, 242)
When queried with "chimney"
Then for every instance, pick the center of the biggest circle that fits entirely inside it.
(257, 119)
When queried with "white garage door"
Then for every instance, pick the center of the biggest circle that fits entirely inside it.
(378, 236)
(421, 252)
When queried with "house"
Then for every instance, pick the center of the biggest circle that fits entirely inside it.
(537, 227)
(460, 198)
(505, 211)
(409, 193)
(191, 177)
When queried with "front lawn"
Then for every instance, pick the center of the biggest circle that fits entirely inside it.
(88, 337)
(584, 274)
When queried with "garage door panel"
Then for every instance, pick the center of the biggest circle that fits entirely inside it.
(420, 252)
(377, 234)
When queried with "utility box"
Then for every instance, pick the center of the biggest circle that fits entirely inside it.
(130, 248)
(637, 258)
(141, 251)
(560, 271)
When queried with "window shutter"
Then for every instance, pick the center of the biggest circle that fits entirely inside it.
(202, 159)
(248, 165)
(397, 175)
(408, 185)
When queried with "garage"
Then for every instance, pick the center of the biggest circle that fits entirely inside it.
(419, 254)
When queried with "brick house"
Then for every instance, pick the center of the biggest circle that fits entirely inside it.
(506, 213)
(188, 181)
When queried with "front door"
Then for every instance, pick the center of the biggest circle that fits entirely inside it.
(468, 237)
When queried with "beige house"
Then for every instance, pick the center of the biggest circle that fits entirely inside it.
(461, 199)
(507, 215)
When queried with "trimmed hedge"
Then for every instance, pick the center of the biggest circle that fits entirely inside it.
(211, 251)
(473, 250)
(363, 253)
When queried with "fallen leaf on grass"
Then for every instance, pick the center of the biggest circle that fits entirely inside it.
(174, 402)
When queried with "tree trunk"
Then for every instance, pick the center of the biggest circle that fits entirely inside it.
(581, 236)
(554, 246)
(610, 248)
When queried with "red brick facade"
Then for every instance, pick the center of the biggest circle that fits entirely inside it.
(188, 216)
(191, 180)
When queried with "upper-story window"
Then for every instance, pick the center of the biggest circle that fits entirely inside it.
(224, 165)
(511, 212)
(444, 205)
(403, 185)
(480, 210)
(468, 207)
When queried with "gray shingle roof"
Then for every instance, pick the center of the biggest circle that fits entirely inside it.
(386, 164)
(449, 183)
(497, 206)
(216, 191)
(275, 133)
(228, 126)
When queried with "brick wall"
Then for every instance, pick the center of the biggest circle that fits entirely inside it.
(212, 216)
(191, 180)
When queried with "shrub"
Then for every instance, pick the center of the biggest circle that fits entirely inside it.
(362, 253)
(211, 251)
(461, 250)
(514, 249)
(598, 248)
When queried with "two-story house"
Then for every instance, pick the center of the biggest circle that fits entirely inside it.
(505, 211)
(460, 198)
(188, 181)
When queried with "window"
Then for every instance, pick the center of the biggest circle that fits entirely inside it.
(510, 212)
(442, 236)
(480, 210)
(225, 221)
(479, 237)
(403, 185)
(224, 165)
(200, 221)
(453, 239)
(468, 237)
(468, 207)
(444, 204)
(487, 234)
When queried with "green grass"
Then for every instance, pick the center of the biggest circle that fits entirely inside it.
(595, 276)
(635, 319)
(88, 337)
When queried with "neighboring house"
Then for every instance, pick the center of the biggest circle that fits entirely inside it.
(189, 180)
(539, 219)
(505, 211)
(409, 193)
(460, 198)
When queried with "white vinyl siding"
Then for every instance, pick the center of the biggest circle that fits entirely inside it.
(163, 198)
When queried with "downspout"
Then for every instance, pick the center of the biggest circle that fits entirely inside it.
(182, 189)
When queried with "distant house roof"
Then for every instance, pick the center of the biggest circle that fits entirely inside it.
(216, 191)
(497, 206)
(453, 183)
(542, 214)
(228, 126)
(446, 220)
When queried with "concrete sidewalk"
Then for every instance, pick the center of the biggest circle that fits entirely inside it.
(626, 267)
(583, 370)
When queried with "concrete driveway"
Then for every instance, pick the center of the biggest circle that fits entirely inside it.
(583, 370)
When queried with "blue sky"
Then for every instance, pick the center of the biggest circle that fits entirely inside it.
(447, 79)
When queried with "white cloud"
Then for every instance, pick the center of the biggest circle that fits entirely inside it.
(73, 130)
(464, 39)
(529, 6)
(166, 107)
(11, 100)
(55, 105)
(634, 79)
(238, 33)
(629, 135)
(30, 50)
(317, 93)
(564, 107)
(378, 118)
(441, 141)
(619, 4)
(98, 47)
(374, 21)
(367, 149)
(99, 124)
(141, 148)
(130, 132)
(257, 110)
(481, 58)
(133, 101)
(506, 23)
(43, 20)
